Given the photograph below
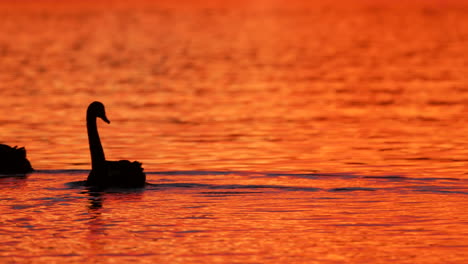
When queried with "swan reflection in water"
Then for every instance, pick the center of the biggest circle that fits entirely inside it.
(13, 160)
(95, 200)
(104, 173)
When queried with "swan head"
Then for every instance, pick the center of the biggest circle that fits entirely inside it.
(98, 110)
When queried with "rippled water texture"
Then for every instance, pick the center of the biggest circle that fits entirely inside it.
(270, 131)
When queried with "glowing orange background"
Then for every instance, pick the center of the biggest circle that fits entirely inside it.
(358, 88)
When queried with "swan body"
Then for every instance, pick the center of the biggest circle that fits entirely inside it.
(123, 173)
(13, 160)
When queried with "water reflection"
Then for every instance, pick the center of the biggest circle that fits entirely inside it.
(97, 224)
(95, 200)
(230, 213)
(13, 181)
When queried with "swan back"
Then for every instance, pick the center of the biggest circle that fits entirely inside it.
(13, 160)
(122, 174)
(126, 173)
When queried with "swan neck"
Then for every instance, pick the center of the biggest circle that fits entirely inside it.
(97, 153)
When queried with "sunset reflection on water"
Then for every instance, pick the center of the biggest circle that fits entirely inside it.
(273, 132)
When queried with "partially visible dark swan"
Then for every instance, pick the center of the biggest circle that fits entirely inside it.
(13, 160)
(123, 173)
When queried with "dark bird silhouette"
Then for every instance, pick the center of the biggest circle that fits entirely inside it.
(13, 160)
(123, 173)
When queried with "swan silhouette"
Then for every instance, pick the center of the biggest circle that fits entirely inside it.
(123, 173)
(13, 160)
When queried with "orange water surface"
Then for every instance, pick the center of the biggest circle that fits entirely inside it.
(271, 131)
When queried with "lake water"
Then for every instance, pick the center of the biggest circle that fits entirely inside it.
(270, 131)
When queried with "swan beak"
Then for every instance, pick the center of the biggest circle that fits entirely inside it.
(104, 118)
